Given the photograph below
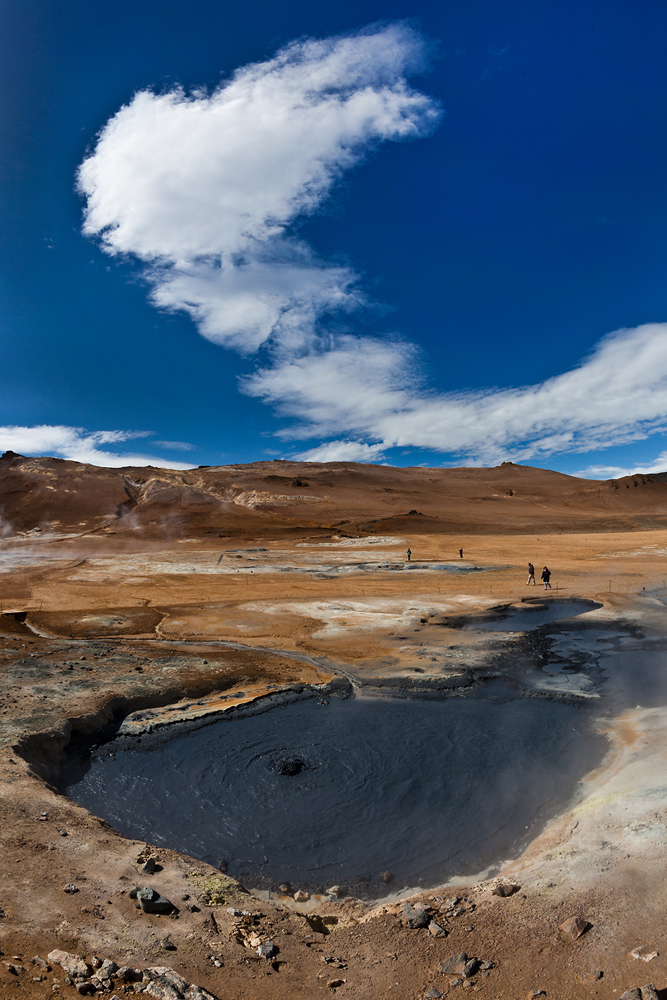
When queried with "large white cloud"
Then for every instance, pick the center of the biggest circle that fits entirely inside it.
(204, 189)
(78, 445)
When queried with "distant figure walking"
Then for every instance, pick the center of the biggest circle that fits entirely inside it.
(461, 553)
(546, 576)
(409, 554)
(531, 574)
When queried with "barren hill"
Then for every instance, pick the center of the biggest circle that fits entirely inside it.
(271, 499)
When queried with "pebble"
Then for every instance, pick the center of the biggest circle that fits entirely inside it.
(574, 927)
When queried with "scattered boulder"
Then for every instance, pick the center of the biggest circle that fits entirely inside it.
(649, 992)
(126, 974)
(70, 888)
(505, 889)
(574, 927)
(333, 984)
(415, 916)
(436, 930)
(72, 965)
(107, 969)
(433, 994)
(633, 994)
(470, 968)
(645, 956)
(151, 901)
(267, 950)
(163, 983)
(455, 964)
(301, 896)
(150, 867)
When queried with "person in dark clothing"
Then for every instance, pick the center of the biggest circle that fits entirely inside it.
(409, 554)
(461, 553)
(546, 576)
(531, 574)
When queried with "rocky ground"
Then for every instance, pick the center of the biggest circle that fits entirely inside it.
(113, 620)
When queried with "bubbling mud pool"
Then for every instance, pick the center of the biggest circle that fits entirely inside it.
(341, 792)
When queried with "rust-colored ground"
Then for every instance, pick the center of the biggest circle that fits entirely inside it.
(113, 584)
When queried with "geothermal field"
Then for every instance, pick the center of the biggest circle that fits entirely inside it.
(252, 748)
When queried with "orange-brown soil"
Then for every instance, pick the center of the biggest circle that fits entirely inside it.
(114, 584)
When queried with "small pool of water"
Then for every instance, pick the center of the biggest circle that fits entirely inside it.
(530, 617)
(319, 794)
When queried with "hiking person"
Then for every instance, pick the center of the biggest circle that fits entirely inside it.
(409, 554)
(546, 576)
(531, 574)
(461, 553)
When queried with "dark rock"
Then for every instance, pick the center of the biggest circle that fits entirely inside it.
(649, 992)
(71, 888)
(85, 989)
(386, 877)
(267, 950)
(433, 994)
(633, 994)
(167, 944)
(455, 964)
(436, 930)
(415, 916)
(470, 968)
(151, 901)
(150, 867)
(505, 889)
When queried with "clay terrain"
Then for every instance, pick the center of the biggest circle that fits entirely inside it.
(147, 598)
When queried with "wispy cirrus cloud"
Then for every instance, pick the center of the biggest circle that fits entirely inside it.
(365, 389)
(79, 445)
(659, 464)
(205, 190)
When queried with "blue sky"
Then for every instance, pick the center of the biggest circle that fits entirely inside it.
(398, 232)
